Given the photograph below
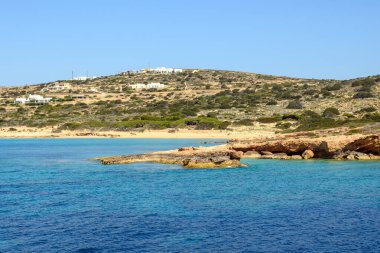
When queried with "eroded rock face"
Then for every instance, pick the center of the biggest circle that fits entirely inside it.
(369, 145)
(307, 148)
(265, 152)
(252, 154)
(291, 147)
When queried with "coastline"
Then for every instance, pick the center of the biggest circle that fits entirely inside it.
(30, 133)
(357, 147)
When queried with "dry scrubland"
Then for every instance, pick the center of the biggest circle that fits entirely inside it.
(230, 103)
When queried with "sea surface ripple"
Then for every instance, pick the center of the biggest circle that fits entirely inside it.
(52, 199)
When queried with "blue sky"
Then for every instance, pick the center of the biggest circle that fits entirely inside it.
(44, 40)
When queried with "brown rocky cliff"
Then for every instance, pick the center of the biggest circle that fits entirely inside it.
(322, 147)
(368, 144)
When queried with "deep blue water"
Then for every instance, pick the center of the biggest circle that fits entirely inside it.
(54, 200)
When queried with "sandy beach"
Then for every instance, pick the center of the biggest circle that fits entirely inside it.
(26, 132)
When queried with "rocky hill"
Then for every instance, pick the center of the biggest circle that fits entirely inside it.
(198, 99)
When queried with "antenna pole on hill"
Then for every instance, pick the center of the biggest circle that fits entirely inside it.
(72, 75)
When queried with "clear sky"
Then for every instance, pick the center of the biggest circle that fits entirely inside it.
(44, 40)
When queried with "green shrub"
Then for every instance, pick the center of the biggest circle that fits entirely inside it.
(330, 112)
(244, 122)
(272, 102)
(71, 126)
(290, 117)
(372, 116)
(349, 115)
(294, 105)
(210, 123)
(364, 89)
(334, 87)
(284, 125)
(364, 82)
(310, 120)
(361, 95)
(368, 109)
(212, 115)
(326, 93)
(21, 110)
(310, 92)
(267, 120)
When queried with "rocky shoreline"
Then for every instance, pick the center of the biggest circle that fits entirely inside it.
(285, 148)
(335, 147)
(189, 157)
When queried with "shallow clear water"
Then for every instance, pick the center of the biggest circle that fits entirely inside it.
(54, 200)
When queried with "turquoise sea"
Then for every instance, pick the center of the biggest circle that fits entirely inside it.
(52, 199)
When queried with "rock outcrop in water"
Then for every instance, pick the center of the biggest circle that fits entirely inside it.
(229, 155)
(189, 157)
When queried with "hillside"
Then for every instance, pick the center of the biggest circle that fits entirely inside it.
(198, 99)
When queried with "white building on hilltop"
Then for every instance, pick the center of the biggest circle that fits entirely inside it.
(36, 99)
(21, 100)
(57, 87)
(84, 78)
(162, 70)
(138, 86)
(141, 86)
(155, 86)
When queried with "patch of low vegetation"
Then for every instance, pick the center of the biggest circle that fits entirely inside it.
(151, 122)
(273, 119)
(309, 120)
(244, 122)
(363, 94)
(330, 112)
(294, 105)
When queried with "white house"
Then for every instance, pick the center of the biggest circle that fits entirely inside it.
(37, 99)
(162, 70)
(141, 86)
(57, 87)
(138, 86)
(84, 78)
(155, 86)
(20, 101)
